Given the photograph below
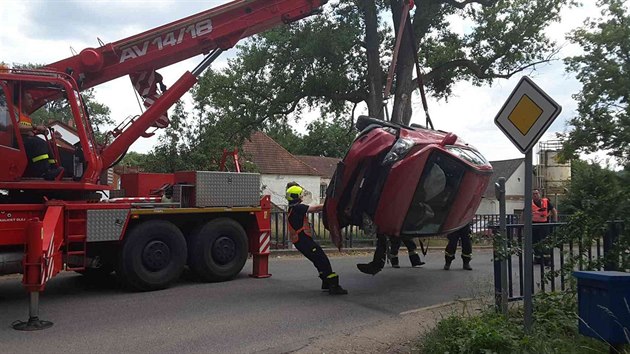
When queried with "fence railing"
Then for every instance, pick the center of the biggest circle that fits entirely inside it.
(547, 275)
(353, 236)
(482, 227)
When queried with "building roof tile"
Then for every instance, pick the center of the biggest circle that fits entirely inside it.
(324, 165)
(271, 158)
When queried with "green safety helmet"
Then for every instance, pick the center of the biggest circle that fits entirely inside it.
(294, 194)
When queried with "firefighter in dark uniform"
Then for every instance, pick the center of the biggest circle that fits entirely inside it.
(542, 213)
(414, 257)
(462, 234)
(302, 238)
(41, 161)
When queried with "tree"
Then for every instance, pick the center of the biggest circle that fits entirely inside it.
(134, 159)
(59, 110)
(319, 63)
(329, 139)
(603, 114)
(596, 197)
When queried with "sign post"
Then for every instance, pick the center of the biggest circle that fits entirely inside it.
(524, 118)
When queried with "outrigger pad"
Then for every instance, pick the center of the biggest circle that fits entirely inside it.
(33, 324)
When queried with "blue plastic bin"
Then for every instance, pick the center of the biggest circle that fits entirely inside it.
(604, 305)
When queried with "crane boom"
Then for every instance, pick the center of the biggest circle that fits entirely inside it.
(209, 32)
(220, 27)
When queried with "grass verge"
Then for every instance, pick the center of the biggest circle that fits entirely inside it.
(555, 330)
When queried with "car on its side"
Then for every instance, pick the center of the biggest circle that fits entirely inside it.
(409, 181)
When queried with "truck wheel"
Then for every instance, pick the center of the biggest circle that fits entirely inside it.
(153, 255)
(218, 250)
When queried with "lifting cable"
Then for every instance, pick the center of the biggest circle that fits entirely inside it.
(425, 106)
(406, 21)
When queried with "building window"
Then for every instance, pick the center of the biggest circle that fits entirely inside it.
(322, 191)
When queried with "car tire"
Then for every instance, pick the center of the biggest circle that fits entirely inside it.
(153, 255)
(218, 250)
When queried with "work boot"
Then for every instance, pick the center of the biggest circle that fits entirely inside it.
(369, 268)
(449, 260)
(467, 264)
(335, 288)
(325, 285)
(394, 262)
(415, 260)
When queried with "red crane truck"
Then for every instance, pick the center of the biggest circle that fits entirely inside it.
(215, 219)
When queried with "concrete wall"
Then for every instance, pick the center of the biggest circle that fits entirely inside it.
(514, 189)
(488, 206)
(556, 175)
(515, 185)
(274, 185)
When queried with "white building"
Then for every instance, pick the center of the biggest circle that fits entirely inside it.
(514, 173)
(277, 167)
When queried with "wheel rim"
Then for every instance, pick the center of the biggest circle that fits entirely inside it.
(156, 255)
(223, 250)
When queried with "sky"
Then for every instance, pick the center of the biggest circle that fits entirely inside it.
(45, 31)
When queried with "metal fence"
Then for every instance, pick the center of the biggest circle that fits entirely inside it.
(353, 236)
(482, 230)
(549, 277)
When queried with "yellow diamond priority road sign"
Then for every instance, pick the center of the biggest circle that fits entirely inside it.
(526, 114)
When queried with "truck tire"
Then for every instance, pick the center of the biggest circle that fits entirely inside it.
(153, 255)
(218, 250)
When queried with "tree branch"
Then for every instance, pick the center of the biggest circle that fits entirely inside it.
(478, 70)
(463, 3)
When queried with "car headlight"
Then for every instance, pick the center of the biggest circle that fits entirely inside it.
(398, 151)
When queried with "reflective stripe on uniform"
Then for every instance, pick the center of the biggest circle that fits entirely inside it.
(294, 234)
(26, 124)
(52, 161)
(40, 157)
(332, 275)
(467, 255)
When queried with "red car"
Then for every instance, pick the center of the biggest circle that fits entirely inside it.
(410, 181)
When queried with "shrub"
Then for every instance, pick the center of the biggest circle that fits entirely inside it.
(555, 330)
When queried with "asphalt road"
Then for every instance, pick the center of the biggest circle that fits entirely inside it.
(276, 315)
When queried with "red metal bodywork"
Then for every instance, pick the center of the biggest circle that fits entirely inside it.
(389, 190)
(142, 184)
(218, 28)
(50, 218)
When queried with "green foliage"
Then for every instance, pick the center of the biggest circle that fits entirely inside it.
(321, 62)
(555, 330)
(596, 197)
(59, 110)
(314, 63)
(505, 37)
(603, 114)
(191, 143)
(133, 159)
